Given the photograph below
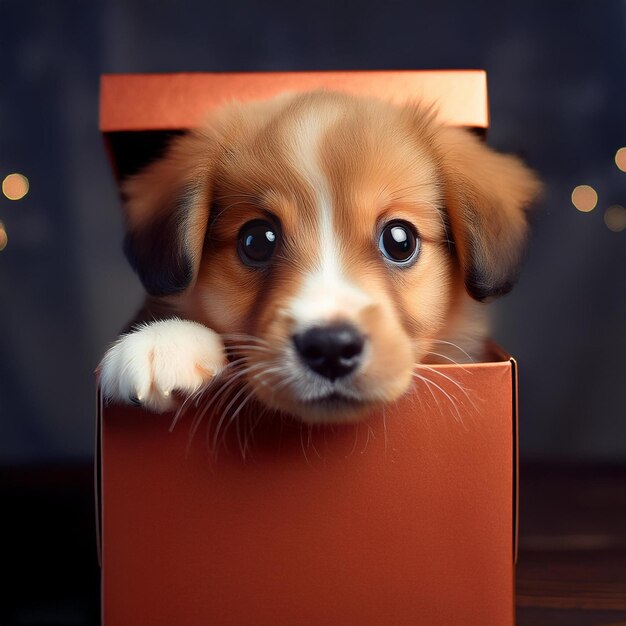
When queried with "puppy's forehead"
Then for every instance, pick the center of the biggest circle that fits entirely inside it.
(320, 154)
(273, 154)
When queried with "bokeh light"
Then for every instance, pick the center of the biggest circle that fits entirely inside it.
(584, 198)
(620, 159)
(615, 218)
(4, 239)
(15, 186)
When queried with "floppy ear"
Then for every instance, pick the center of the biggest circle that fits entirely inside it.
(167, 206)
(487, 196)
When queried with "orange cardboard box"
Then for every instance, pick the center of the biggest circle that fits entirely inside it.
(407, 518)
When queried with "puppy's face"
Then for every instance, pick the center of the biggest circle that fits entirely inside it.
(315, 233)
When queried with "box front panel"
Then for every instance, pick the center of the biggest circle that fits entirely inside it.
(404, 519)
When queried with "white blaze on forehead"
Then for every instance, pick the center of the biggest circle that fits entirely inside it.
(326, 293)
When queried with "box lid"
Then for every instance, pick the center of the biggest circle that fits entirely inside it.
(140, 112)
(179, 101)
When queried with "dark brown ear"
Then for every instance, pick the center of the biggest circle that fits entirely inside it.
(487, 197)
(167, 208)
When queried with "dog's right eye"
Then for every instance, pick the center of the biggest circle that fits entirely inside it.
(257, 242)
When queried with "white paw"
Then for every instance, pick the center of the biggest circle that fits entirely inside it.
(147, 365)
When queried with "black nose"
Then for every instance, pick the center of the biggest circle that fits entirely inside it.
(331, 351)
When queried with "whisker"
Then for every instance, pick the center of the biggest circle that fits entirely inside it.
(248, 427)
(245, 336)
(231, 365)
(225, 412)
(427, 382)
(385, 429)
(454, 345)
(264, 373)
(189, 399)
(453, 402)
(306, 458)
(220, 392)
(356, 439)
(452, 380)
(253, 348)
(237, 377)
(250, 432)
(448, 358)
(367, 440)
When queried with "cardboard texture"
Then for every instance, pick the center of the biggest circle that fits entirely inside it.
(407, 518)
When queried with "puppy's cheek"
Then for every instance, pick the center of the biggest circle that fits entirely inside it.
(430, 301)
(264, 391)
(216, 301)
(271, 373)
(429, 296)
(388, 371)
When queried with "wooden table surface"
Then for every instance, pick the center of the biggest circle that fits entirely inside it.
(572, 560)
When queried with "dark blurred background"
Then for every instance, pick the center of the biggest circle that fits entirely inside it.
(557, 87)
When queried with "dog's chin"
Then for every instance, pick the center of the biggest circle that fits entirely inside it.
(330, 404)
(314, 401)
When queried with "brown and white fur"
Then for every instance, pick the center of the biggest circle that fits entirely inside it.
(328, 171)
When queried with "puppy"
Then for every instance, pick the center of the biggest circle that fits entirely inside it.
(318, 246)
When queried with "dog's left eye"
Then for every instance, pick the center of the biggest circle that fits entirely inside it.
(257, 242)
(399, 242)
